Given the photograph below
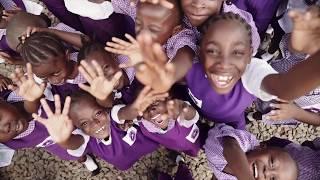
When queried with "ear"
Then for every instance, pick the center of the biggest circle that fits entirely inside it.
(177, 29)
(249, 59)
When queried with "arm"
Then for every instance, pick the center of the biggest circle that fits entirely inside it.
(182, 62)
(59, 125)
(237, 159)
(308, 117)
(299, 80)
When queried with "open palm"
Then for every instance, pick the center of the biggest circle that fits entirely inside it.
(27, 87)
(58, 124)
(100, 87)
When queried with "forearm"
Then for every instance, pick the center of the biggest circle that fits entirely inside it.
(182, 62)
(74, 39)
(32, 106)
(308, 117)
(73, 142)
(128, 112)
(236, 158)
(108, 102)
(298, 81)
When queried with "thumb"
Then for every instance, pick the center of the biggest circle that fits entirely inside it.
(40, 119)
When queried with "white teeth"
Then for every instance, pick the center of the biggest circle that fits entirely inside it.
(155, 117)
(224, 78)
(221, 80)
(255, 170)
(102, 128)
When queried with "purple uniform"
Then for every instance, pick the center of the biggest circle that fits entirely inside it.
(122, 149)
(37, 136)
(214, 149)
(228, 108)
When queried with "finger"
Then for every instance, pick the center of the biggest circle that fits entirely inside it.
(29, 71)
(295, 15)
(85, 74)
(275, 105)
(126, 65)
(98, 68)
(66, 107)
(57, 104)
(121, 42)
(160, 96)
(116, 46)
(20, 75)
(85, 87)
(40, 119)
(131, 39)
(116, 78)
(88, 69)
(117, 51)
(46, 107)
(159, 53)
(145, 91)
(14, 78)
(273, 117)
(166, 4)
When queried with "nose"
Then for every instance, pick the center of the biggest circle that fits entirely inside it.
(223, 62)
(4, 127)
(269, 173)
(197, 3)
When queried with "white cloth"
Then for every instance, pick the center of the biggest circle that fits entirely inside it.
(6, 155)
(88, 9)
(32, 7)
(252, 78)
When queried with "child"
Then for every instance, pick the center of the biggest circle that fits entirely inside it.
(166, 28)
(236, 154)
(170, 122)
(99, 133)
(226, 82)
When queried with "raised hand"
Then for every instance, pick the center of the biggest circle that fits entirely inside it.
(27, 87)
(30, 30)
(305, 35)
(163, 3)
(130, 49)
(58, 124)
(145, 98)
(155, 72)
(4, 83)
(100, 87)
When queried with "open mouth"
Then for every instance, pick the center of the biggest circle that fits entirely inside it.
(59, 83)
(101, 129)
(221, 81)
(157, 118)
(255, 170)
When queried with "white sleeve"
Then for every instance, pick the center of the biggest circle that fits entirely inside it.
(188, 123)
(114, 113)
(80, 151)
(6, 155)
(252, 78)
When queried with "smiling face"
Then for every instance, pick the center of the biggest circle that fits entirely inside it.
(153, 114)
(56, 70)
(198, 11)
(225, 53)
(160, 22)
(90, 117)
(12, 123)
(109, 66)
(272, 164)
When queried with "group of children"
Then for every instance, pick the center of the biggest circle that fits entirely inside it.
(117, 79)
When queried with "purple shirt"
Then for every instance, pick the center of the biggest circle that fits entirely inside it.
(222, 108)
(120, 153)
(214, 149)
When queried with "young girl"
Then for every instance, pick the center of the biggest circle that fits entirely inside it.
(170, 122)
(99, 133)
(226, 82)
(166, 28)
(236, 154)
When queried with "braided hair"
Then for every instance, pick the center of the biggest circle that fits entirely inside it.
(41, 47)
(229, 16)
(90, 47)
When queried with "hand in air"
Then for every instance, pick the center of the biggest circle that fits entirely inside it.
(178, 108)
(100, 87)
(58, 124)
(305, 35)
(30, 30)
(145, 98)
(27, 87)
(130, 49)
(155, 71)
(4, 83)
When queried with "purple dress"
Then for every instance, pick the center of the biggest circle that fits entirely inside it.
(60, 11)
(37, 136)
(103, 30)
(119, 153)
(227, 108)
(178, 138)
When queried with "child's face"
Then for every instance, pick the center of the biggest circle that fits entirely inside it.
(160, 22)
(153, 114)
(272, 164)
(91, 118)
(109, 66)
(56, 71)
(198, 11)
(225, 53)
(12, 123)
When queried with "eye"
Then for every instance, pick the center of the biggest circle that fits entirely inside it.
(105, 67)
(213, 52)
(154, 30)
(238, 53)
(99, 113)
(84, 124)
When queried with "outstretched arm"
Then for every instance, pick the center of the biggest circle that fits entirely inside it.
(59, 125)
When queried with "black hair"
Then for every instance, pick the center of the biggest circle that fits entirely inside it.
(90, 47)
(1, 11)
(229, 16)
(41, 47)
